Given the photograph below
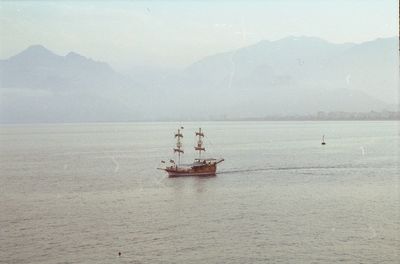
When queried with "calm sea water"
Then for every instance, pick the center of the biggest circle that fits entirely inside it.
(81, 193)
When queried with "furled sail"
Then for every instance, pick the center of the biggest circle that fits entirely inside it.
(199, 147)
(179, 146)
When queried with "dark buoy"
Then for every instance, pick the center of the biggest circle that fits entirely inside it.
(323, 140)
(119, 254)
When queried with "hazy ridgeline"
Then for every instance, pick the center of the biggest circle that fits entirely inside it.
(291, 76)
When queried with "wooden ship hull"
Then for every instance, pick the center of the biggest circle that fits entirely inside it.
(204, 171)
(196, 169)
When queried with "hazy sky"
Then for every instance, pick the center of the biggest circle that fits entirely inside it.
(176, 33)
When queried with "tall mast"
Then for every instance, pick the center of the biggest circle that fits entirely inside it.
(179, 147)
(199, 146)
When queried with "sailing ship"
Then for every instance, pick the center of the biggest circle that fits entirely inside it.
(199, 167)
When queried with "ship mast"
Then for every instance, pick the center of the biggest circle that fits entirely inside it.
(200, 146)
(179, 147)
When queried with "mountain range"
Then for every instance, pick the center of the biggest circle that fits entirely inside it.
(294, 75)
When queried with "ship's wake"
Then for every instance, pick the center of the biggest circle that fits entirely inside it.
(282, 168)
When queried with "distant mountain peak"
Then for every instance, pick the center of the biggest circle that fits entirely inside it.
(302, 38)
(35, 51)
(36, 55)
(74, 55)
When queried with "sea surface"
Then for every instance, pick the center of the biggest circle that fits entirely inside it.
(81, 193)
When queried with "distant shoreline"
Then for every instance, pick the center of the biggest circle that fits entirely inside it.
(250, 119)
(189, 121)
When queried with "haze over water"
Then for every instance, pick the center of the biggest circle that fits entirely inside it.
(81, 193)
